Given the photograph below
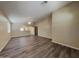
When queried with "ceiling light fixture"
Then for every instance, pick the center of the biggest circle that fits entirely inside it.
(29, 23)
(21, 29)
(44, 2)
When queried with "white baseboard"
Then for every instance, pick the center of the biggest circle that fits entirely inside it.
(66, 45)
(19, 35)
(5, 43)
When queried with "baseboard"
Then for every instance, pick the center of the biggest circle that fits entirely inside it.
(66, 45)
(20, 36)
(45, 37)
(1, 49)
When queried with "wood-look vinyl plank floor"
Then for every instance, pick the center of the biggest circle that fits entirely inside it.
(36, 47)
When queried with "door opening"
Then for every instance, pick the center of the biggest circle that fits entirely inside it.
(36, 31)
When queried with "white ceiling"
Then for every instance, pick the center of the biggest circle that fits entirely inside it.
(25, 11)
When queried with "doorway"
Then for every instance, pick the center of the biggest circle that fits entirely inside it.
(36, 31)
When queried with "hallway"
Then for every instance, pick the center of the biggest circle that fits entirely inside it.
(36, 47)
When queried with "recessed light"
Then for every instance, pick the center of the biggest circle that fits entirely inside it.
(29, 23)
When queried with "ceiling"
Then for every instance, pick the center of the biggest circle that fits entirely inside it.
(25, 11)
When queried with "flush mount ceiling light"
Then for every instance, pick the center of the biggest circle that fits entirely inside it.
(29, 23)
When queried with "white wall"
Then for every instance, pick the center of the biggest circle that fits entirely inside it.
(4, 35)
(45, 27)
(31, 30)
(16, 30)
(65, 25)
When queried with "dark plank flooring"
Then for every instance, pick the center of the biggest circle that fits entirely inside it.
(36, 47)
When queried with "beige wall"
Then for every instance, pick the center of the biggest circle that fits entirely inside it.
(65, 25)
(45, 27)
(16, 30)
(31, 29)
(4, 35)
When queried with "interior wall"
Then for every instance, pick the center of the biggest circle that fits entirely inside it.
(16, 30)
(65, 25)
(4, 35)
(31, 30)
(45, 27)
